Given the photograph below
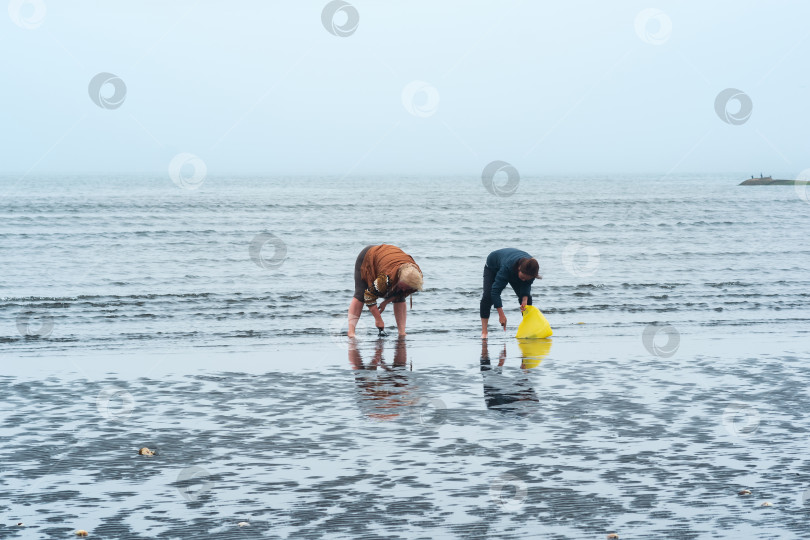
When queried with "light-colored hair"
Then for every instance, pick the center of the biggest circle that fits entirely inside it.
(410, 275)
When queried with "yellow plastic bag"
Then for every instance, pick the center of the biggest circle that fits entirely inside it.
(533, 325)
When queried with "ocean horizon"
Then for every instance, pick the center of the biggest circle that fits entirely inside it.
(189, 195)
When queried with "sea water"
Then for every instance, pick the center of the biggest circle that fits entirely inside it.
(208, 324)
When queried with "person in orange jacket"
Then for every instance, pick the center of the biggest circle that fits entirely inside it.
(385, 272)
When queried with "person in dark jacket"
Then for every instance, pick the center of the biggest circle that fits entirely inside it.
(512, 266)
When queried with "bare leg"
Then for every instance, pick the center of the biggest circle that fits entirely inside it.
(400, 314)
(484, 323)
(355, 309)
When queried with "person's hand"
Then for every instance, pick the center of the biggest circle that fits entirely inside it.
(523, 304)
(383, 304)
(502, 320)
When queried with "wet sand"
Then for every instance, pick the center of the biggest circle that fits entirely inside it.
(412, 440)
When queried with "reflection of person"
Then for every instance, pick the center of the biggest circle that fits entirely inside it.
(512, 266)
(385, 272)
(381, 393)
(502, 392)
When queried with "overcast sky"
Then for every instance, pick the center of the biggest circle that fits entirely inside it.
(427, 87)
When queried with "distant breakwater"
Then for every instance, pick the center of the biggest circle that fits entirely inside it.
(768, 181)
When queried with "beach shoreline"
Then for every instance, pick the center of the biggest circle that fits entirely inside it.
(602, 434)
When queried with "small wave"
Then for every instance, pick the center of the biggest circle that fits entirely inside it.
(721, 284)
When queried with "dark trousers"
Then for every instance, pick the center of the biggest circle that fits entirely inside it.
(359, 284)
(486, 298)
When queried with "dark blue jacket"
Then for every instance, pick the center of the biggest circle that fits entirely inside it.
(503, 262)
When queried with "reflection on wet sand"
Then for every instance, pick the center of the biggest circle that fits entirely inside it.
(532, 352)
(512, 391)
(384, 389)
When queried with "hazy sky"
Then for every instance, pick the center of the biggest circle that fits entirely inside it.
(424, 87)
